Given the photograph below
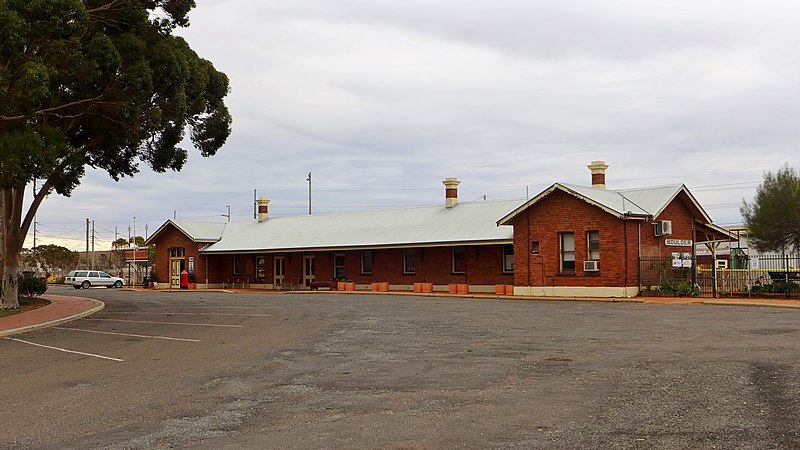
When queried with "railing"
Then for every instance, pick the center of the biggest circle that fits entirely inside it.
(756, 276)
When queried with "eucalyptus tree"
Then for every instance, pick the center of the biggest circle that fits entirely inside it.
(773, 217)
(99, 83)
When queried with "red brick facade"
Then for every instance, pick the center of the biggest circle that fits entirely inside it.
(484, 264)
(560, 212)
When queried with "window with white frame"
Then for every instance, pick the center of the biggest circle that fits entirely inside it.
(338, 266)
(567, 252)
(508, 258)
(593, 245)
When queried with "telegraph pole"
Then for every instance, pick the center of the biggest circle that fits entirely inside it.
(93, 245)
(87, 242)
(309, 193)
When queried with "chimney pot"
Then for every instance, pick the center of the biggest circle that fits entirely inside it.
(598, 169)
(450, 192)
(263, 208)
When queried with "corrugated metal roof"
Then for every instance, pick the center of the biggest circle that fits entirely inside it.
(639, 201)
(201, 231)
(425, 225)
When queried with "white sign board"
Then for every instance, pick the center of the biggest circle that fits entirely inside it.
(678, 242)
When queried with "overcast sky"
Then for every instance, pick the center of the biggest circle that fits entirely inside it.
(381, 100)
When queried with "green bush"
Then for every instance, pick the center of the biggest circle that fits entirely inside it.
(31, 287)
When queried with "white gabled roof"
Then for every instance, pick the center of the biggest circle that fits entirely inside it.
(639, 202)
(467, 222)
(196, 231)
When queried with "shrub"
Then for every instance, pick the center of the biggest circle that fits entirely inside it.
(31, 287)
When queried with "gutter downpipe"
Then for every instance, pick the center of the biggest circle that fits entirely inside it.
(625, 239)
(528, 247)
(639, 253)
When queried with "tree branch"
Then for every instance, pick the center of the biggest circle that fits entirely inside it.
(50, 110)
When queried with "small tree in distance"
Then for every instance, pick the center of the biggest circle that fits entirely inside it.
(773, 217)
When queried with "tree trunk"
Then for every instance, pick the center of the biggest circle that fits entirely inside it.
(11, 246)
(2, 260)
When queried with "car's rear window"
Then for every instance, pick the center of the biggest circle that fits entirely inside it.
(79, 274)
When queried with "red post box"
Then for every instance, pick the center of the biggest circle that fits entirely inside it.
(184, 280)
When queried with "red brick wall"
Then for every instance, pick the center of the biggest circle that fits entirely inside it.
(484, 265)
(170, 238)
(560, 212)
(682, 228)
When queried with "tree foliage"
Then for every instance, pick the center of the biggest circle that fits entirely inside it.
(54, 257)
(98, 83)
(773, 217)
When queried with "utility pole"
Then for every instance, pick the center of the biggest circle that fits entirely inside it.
(34, 217)
(255, 205)
(116, 235)
(135, 246)
(145, 232)
(229, 213)
(309, 193)
(126, 257)
(87, 242)
(93, 245)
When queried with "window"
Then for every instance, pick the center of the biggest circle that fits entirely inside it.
(567, 252)
(237, 264)
(338, 266)
(535, 247)
(176, 252)
(409, 261)
(459, 259)
(593, 245)
(508, 258)
(366, 262)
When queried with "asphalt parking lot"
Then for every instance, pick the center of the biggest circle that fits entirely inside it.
(220, 370)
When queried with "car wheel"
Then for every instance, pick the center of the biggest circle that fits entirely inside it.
(76, 286)
(118, 284)
(86, 284)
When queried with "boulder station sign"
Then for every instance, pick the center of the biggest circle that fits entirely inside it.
(678, 242)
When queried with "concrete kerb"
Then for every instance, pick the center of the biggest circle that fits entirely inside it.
(99, 306)
(487, 296)
(645, 300)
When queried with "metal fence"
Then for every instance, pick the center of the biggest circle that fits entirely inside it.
(760, 276)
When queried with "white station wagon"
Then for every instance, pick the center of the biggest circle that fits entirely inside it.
(88, 278)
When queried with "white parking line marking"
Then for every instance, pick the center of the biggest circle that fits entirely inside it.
(189, 314)
(126, 334)
(171, 323)
(65, 350)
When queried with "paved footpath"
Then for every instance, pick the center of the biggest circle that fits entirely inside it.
(60, 310)
(66, 309)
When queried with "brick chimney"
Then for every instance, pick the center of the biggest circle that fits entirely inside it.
(263, 208)
(598, 169)
(450, 192)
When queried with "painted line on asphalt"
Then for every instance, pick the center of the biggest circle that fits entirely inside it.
(65, 350)
(190, 314)
(171, 323)
(127, 334)
(223, 307)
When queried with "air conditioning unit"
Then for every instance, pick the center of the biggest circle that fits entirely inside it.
(591, 266)
(663, 227)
